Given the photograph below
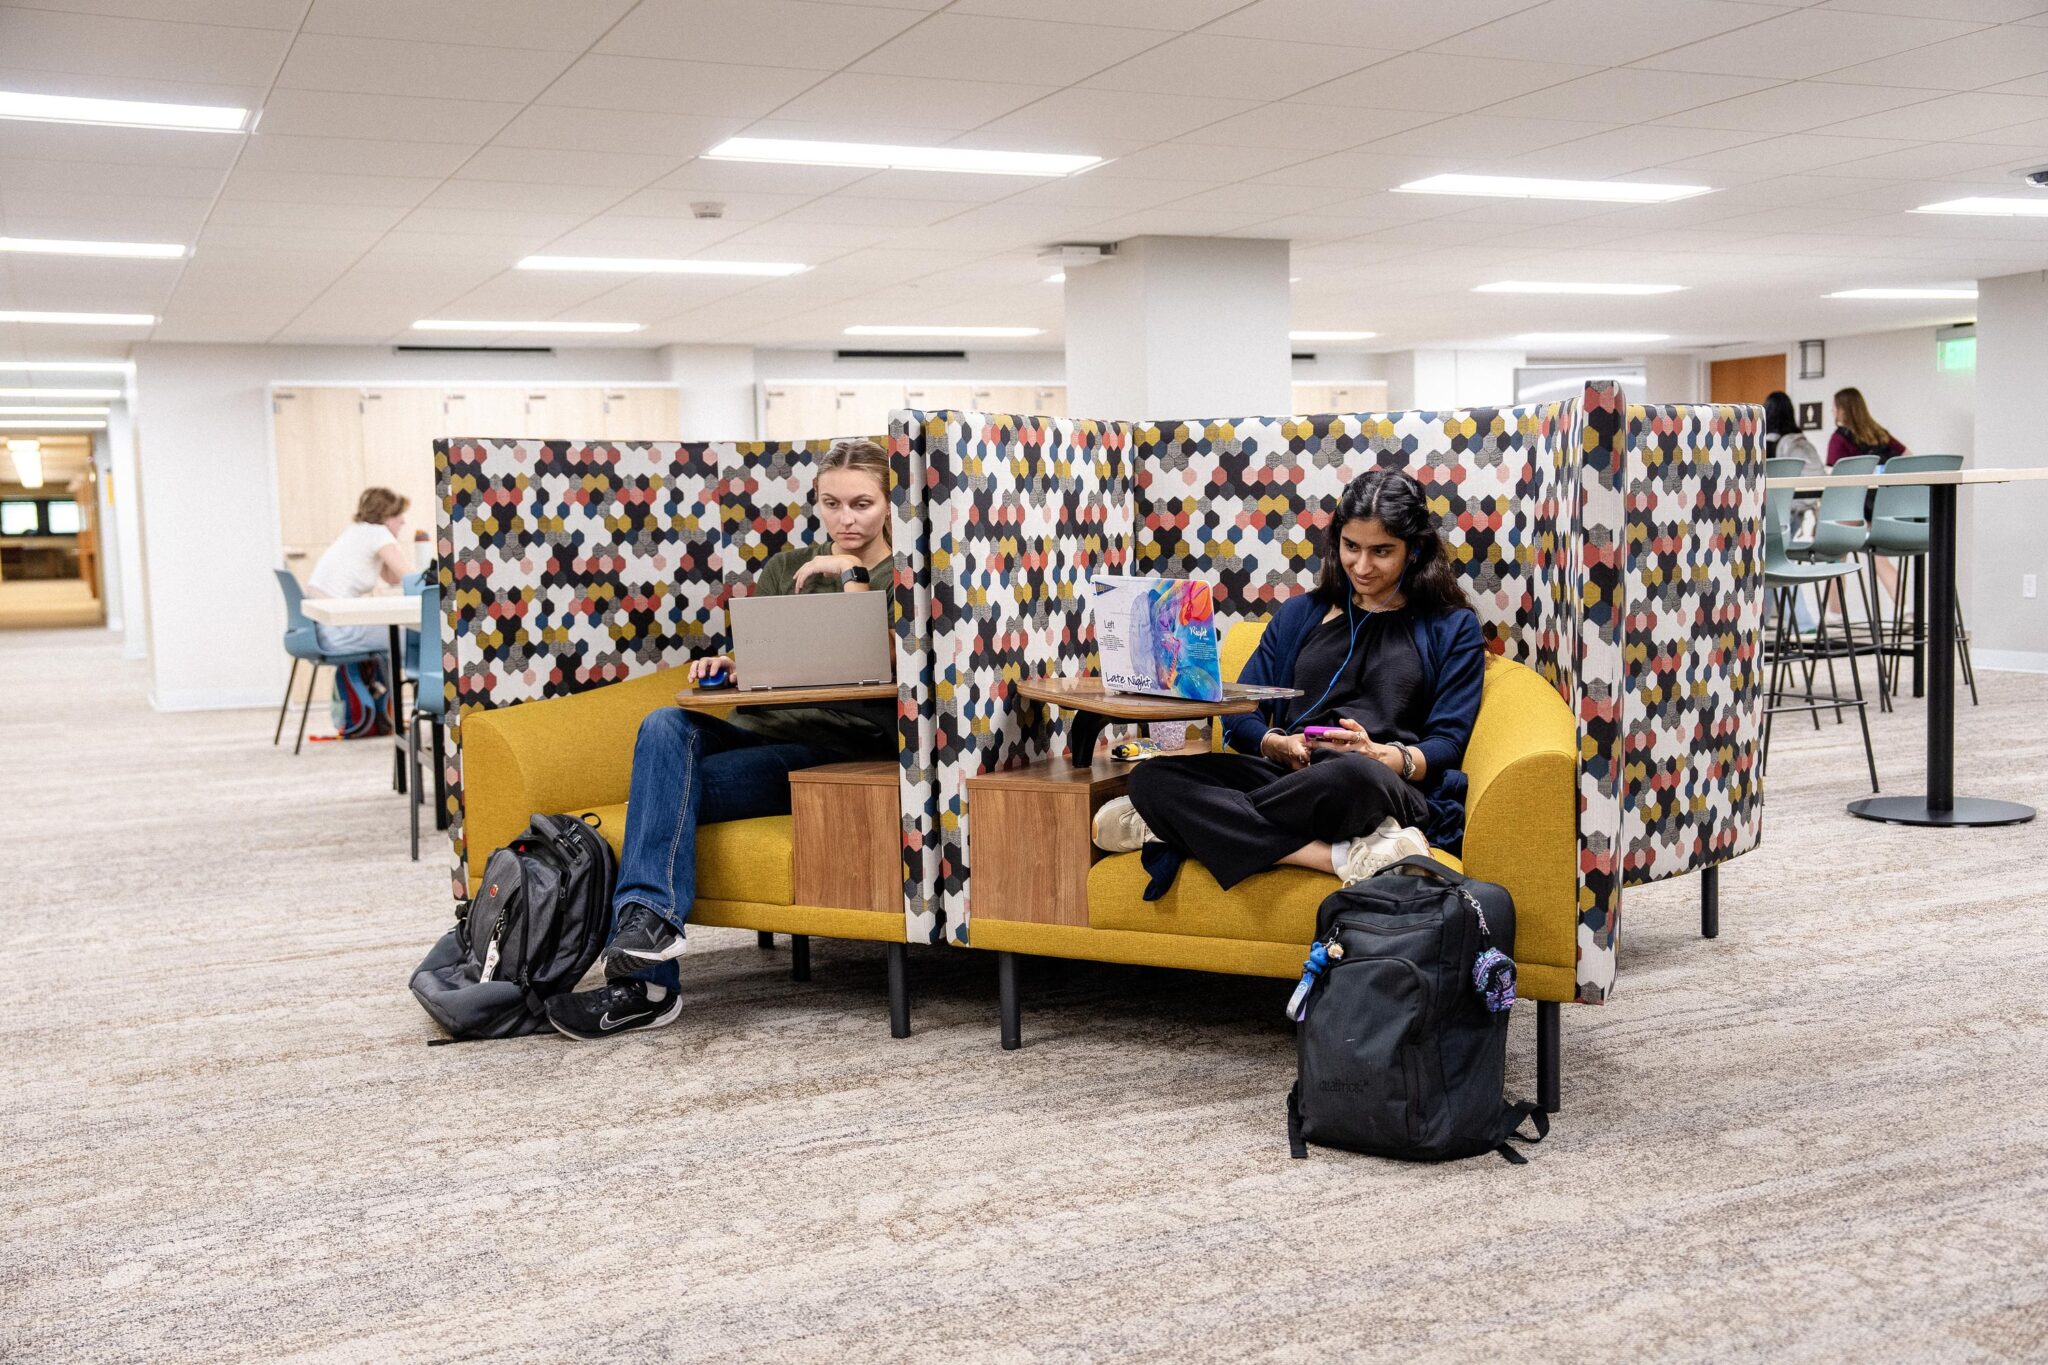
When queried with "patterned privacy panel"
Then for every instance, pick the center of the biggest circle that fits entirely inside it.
(1692, 689)
(566, 565)
(1018, 513)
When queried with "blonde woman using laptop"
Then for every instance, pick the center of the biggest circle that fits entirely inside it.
(691, 769)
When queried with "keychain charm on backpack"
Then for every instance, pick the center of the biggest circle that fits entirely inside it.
(1319, 957)
(1493, 975)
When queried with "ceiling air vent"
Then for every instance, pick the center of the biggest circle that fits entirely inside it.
(899, 355)
(473, 350)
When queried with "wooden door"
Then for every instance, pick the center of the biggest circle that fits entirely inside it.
(1747, 379)
(565, 414)
(399, 430)
(799, 412)
(317, 445)
(484, 414)
(1021, 399)
(641, 415)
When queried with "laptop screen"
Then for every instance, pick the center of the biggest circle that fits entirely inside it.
(1157, 636)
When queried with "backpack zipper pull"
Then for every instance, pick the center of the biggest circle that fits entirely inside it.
(1319, 957)
(491, 954)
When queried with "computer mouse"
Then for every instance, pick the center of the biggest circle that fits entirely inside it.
(721, 678)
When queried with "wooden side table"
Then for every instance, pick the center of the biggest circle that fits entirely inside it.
(846, 854)
(1094, 707)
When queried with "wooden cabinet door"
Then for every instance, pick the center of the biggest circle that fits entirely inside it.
(1050, 399)
(318, 449)
(935, 397)
(863, 409)
(641, 415)
(1020, 399)
(799, 412)
(400, 427)
(484, 414)
(565, 414)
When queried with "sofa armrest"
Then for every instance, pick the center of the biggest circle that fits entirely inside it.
(559, 755)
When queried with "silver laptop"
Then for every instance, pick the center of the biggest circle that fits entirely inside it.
(815, 639)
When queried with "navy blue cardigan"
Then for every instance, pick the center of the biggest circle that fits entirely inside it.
(1453, 654)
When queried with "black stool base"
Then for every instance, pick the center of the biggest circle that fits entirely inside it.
(1966, 811)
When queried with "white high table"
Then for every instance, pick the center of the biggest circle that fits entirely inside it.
(397, 612)
(1940, 805)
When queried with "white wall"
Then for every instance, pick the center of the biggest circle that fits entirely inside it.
(1337, 367)
(1670, 378)
(980, 367)
(715, 391)
(2001, 525)
(124, 527)
(1437, 380)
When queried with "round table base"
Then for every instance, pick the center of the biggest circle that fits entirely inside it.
(1967, 810)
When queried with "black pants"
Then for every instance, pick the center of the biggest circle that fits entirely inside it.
(1239, 815)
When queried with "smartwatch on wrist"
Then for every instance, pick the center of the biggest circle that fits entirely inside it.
(856, 574)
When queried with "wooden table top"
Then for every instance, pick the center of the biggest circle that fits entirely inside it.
(394, 610)
(705, 699)
(1087, 694)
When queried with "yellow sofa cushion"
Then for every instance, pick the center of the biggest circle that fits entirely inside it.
(737, 860)
(1272, 907)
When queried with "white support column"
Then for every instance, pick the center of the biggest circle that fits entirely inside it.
(716, 391)
(1178, 327)
(2001, 528)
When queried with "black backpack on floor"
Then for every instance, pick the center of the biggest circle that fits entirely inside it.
(1403, 1050)
(540, 918)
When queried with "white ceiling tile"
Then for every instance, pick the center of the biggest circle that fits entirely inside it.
(2032, 135)
(398, 118)
(118, 217)
(1172, 222)
(1064, 121)
(965, 189)
(1617, 34)
(803, 240)
(1476, 138)
(1438, 82)
(252, 237)
(1947, 118)
(856, 101)
(542, 24)
(1267, 201)
(756, 32)
(838, 209)
(1628, 96)
(738, 208)
(1977, 11)
(1176, 16)
(1348, 174)
(618, 81)
(351, 156)
(1928, 159)
(1198, 161)
(1807, 43)
(745, 177)
(1396, 24)
(513, 197)
(382, 66)
(1796, 107)
(1791, 153)
(1250, 68)
(1108, 192)
(1311, 127)
(530, 230)
(1019, 51)
(284, 14)
(1622, 150)
(21, 140)
(540, 166)
(671, 136)
(312, 187)
(258, 216)
(96, 45)
(1980, 60)
(893, 134)
(91, 177)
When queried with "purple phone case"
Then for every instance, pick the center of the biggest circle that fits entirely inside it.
(1318, 731)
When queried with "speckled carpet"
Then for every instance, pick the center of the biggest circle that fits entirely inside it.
(1819, 1137)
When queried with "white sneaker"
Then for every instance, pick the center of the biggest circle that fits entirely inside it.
(1382, 848)
(1118, 828)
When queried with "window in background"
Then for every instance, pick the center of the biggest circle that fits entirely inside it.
(18, 518)
(60, 518)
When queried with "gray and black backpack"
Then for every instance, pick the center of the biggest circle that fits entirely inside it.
(1403, 1020)
(540, 918)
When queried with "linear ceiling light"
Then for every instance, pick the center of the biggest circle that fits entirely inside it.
(60, 424)
(871, 331)
(28, 462)
(1590, 338)
(451, 325)
(1330, 336)
(60, 393)
(1556, 287)
(83, 319)
(1528, 187)
(48, 410)
(1902, 294)
(1991, 207)
(53, 246)
(68, 366)
(657, 265)
(881, 156)
(197, 118)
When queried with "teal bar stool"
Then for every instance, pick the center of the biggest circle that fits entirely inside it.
(1841, 532)
(1789, 647)
(1898, 529)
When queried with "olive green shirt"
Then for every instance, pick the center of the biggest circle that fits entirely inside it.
(861, 729)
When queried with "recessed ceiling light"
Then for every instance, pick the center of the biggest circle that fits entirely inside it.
(659, 265)
(60, 393)
(49, 410)
(1554, 287)
(69, 366)
(1529, 187)
(52, 246)
(872, 331)
(1057, 277)
(1330, 336)
(197, 118)
(83, 319)
(1590, 338)
(881, 156)
(1991, 206)
(53, 424)
(1902, 294)
(452, 325)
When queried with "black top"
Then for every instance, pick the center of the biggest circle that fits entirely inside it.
(1380, 686)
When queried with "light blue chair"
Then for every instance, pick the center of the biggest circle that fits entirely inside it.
(1898, 528)
(1783, 577)
(1841, 531)
(302, 642)
(429, 708)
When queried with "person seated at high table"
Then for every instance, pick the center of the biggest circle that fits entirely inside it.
(361, 557)
(691, 769)
(1386, 651)
(1857, 432)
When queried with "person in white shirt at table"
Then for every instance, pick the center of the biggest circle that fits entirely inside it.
(366, 554)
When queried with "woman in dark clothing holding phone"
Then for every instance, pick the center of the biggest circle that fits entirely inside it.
(1389, 659)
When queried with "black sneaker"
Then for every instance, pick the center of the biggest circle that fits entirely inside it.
(643, 938)
(618, 1007)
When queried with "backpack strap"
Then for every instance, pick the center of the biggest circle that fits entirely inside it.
(1517, 1114)
(1296, 1147)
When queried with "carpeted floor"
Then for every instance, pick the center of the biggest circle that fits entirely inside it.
(1817, 1138)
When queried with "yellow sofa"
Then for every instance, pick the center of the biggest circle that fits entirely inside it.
(1521, 831)
(575, 755)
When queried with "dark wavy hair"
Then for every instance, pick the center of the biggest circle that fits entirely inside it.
(1780, 418)
(1395, 500)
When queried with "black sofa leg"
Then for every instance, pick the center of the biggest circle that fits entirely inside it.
(765, 941)
(1710, 902)
(1006, 999)
(899, 990)
(1547, 1022)
(799, 957)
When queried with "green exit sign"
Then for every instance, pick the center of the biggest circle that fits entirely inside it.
(1955, 348)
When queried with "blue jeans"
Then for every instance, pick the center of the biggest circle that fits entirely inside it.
(691, 770)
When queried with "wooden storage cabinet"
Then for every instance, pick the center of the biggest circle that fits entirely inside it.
(819, 411)
(1031, 841)
(642, 415)
(319, 443)
(846, 830)
(1368, 395)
